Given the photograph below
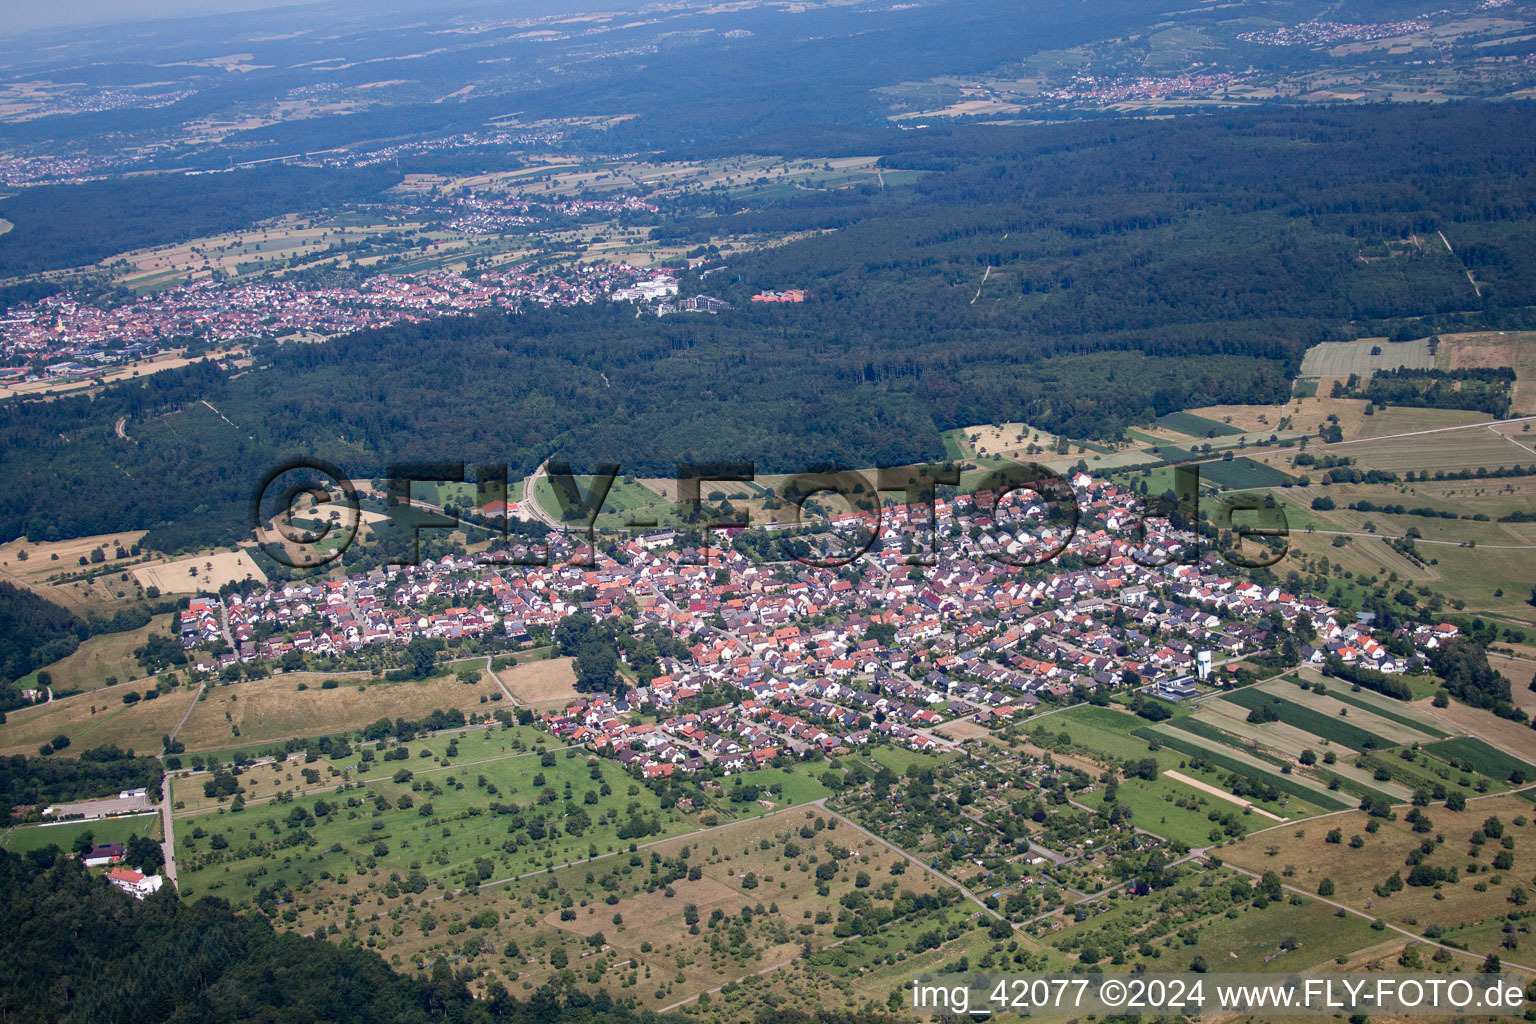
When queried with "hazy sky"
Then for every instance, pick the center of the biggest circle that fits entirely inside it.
(24, 15)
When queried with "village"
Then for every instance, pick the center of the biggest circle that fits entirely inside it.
(64, 338)
(803, 661)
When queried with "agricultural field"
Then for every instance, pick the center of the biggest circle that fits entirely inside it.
(1222, 747)
(200, 574)
(1246, 419)
(1450, 450)
(275, 708)
(1479, 894)
(1520, 672)
(24, 838)
(96, 719)
(1491, 498)
(53, 570)
(1365, 357)
(1196, 426)
(1488, 760)
(1377, 749)
(1515, 349)
(1241, 473)
(1376, 704)
(542, 681)
(1402, 419)
(1165, 805)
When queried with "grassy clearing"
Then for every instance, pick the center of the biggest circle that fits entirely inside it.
(899, 759)
(25, 838)
(93, 720)
(1255, 940)
(1174, 811)
(104, 657)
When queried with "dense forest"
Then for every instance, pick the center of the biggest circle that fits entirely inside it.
(75, 225)
(1081, 277)
(102, 771)
(33, 632)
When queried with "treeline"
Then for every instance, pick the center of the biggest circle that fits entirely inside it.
(1468, 676)
(103, 771)
(1368, 678)
(33, 632)
(1477, 390)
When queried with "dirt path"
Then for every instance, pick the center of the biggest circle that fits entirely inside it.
(172, 737)
(1222, 794)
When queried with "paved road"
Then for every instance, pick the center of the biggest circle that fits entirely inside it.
(529, 505)
(168, 843)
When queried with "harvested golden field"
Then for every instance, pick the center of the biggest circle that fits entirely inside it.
(1248, 418)
(201, 573)
(49, 559)
(1479, 350)
(276, 709)
(538, 682)
(1520, 673)
(1449, 451)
